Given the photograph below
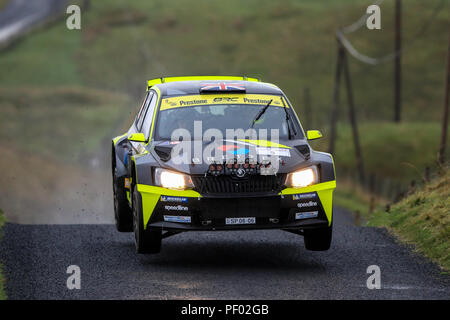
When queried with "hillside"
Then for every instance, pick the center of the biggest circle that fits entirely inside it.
(289, 43)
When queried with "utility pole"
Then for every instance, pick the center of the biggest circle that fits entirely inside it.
(445, 111)
(398, 66)
(335, 110)
(352, 118)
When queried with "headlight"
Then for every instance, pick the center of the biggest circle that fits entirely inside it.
(172, 180)
(303, 178)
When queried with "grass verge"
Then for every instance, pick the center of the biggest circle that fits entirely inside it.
(2, 279)
(422, 219)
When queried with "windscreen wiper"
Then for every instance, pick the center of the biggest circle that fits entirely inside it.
(260, 113)
(288, 121)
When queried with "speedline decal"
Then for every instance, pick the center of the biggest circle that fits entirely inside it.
(201, 100)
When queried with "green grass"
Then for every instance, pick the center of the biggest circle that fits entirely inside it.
(395, 152)
(422, 219)
(66, 122)
(2, 279)
(353, 198)
(45, 58)
(290, 43)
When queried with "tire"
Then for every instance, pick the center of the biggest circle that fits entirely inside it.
(122, 211)
(146, 240)
(318, 239)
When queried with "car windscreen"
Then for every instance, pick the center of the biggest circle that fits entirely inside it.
(195, 114)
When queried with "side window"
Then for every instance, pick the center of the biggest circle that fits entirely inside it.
(138, 116)
(143, 111)
(149, 117)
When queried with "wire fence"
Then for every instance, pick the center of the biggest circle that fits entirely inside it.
(390, 189)
(340, 34)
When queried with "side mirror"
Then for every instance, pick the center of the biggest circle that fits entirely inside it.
(313, 134)
(137, 137)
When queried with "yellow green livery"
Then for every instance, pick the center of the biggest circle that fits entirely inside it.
(211, 153)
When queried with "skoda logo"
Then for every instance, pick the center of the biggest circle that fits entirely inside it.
(240, 172)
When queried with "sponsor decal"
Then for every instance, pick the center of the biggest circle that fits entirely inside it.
(273, 151)
(263, 143)
(226, 99)
(173, 199)
(182, 219)
(306, 204)
(127, 183)
(306, 215)
(176, 208)
(235, 150)
(192, 102)
(256, 101)
(301, 196)
(211, 99)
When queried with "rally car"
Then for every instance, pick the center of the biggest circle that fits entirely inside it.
(220, 153)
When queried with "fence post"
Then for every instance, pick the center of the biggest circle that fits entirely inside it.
(398, 57)
(427, 174)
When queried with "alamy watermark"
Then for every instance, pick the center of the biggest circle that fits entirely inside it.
(73, 22)
(212, 146)
(374, 280)
(373, 21)
(74, 280)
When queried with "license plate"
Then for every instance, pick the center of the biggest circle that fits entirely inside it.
(247, 220)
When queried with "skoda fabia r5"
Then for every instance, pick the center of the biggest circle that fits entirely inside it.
(220, 153)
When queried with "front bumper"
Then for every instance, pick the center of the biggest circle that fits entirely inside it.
(293, 208)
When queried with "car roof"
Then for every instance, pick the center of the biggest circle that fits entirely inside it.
(193, 87)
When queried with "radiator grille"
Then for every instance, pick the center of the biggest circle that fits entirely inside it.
(225, 184)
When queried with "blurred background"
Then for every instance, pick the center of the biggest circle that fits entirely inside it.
(65, 93)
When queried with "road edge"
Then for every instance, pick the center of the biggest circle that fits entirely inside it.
(2, 278)
(421, 219)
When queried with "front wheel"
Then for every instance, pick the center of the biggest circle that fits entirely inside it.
(147, 240)
(318, 239)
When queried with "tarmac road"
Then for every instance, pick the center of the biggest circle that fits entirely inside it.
(213, 265)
